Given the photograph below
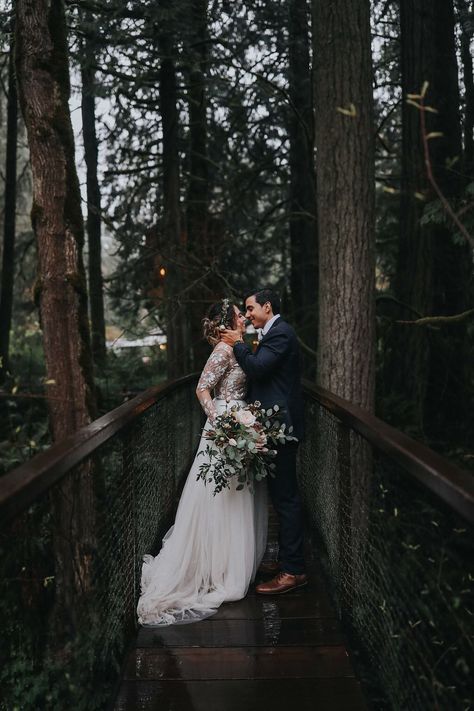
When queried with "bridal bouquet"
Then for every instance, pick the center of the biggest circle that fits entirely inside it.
(241, 446)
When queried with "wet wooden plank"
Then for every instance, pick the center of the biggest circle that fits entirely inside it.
(239, 663)
(263, 652)
(255, 607)
(250, 695)
(269, 631)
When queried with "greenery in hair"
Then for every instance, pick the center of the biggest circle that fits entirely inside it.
(225, 308)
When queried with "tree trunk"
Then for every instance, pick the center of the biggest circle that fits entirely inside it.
(303, 229)
(466, 11)
(8, 256)
(345, 207)
(346, 228)
(96, 292)
(43, 82)
(178, 350)
(430, 367)
(199, 235)
(414, 273)
(450, 370)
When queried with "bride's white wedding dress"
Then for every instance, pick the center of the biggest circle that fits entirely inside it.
(212, 552)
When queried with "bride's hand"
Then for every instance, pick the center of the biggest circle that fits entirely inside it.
(230, 337)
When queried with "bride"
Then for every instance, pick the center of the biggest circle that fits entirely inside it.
(212, 552)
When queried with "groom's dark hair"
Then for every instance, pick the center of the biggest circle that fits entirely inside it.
(264, 295)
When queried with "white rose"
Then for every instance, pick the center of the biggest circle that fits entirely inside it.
(244, 417)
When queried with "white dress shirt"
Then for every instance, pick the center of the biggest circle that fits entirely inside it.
(263, 331)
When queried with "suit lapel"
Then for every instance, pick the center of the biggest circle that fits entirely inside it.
(273, 324)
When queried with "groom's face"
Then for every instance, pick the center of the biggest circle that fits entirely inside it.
(256, 313)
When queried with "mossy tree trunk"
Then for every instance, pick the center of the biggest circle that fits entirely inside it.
(43, 82)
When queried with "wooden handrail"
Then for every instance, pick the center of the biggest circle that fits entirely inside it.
(455, 486)
(20, 487)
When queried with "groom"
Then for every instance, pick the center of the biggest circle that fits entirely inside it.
(274, 379)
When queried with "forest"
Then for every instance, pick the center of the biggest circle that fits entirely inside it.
(171, 153)
(159, 156)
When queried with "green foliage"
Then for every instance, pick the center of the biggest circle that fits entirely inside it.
(240, 439)
(246, 146)
(127, 372)
(435, 213)
(23, 408)
(53, 685)
(81, 677)
(23, 411)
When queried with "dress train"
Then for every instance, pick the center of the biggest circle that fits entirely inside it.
(210, 555)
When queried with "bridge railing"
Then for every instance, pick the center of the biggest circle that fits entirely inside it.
(393, 522)
(74, 523)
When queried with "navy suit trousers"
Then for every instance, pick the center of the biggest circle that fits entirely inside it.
(286, 500)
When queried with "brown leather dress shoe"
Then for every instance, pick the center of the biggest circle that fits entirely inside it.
(282, 583)
(269, 567)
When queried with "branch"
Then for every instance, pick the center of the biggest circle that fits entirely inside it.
(307, 349)
(439, 320)
(414, 99)
(389, 297)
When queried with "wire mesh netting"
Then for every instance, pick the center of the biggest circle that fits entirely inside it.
(398, 561)
(400, 564)
(70, 564)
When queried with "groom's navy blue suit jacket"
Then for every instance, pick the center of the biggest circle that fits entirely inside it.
(274, 373)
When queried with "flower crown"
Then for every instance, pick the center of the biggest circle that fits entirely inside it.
(224, 310)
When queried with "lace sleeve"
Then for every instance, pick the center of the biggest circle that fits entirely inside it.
(215, 368)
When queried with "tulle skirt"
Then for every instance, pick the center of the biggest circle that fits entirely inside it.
(210, 555)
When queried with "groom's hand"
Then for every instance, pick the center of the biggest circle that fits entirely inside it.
(230, 337)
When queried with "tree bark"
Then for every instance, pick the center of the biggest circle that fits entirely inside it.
(178, 350)
(91, 151)
(43, 82)
(466, 9)
(344, 135)
(450, 370)
(345, 205)
(197, 218)
(414, 273)
(303, 228)
(198, 186)
(8, 256)
(428, 371)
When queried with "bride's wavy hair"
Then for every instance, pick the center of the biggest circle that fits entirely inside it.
(220, 314)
